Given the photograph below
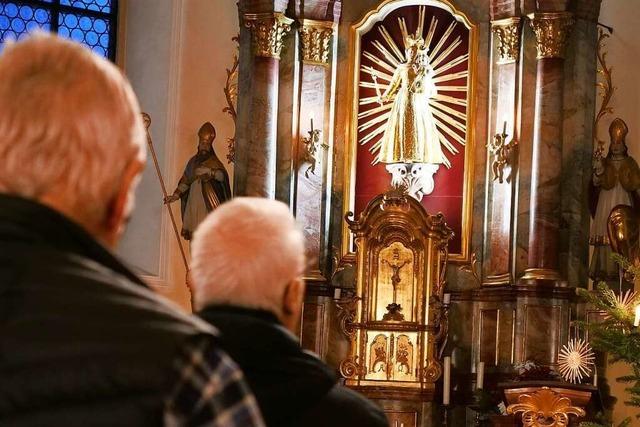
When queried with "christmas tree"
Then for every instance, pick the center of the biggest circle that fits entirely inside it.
(616, 333)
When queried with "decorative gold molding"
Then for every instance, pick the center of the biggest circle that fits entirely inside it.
(551, 30)
(473, 269)
(268, 31)
(315, 37)
(231, 96)
(541, 274)
(606, 89)
(545, 408)
(507, 32)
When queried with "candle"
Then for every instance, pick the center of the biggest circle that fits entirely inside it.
(504, 128)
(636, 322)
(446, 387)
(446, 299)
(595, 377)
(312, 123)
(480, 376)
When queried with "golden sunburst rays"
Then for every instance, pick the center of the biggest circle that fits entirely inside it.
(382, 60)
(625, 302)
(575, 361)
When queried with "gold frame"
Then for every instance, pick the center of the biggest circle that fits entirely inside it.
(351, 132)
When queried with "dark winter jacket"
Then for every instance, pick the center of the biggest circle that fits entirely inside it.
(293, 387)
(82, 341)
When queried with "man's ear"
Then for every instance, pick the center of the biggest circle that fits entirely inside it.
(121, 204)
(292, 301)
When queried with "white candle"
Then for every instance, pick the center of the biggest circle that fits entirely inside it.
(446, 387)
(446, 299)
(636, 322)
(480, 376)
(595, 377)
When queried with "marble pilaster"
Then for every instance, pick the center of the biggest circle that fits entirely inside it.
(498, 251)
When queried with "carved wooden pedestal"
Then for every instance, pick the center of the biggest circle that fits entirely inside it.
(548, 404)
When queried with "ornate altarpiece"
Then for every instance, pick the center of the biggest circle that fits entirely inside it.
(398, 315)
(377, 48)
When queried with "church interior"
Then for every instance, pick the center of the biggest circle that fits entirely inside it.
(462, 171)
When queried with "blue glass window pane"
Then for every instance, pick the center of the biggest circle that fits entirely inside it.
(88, 30)
(91, 28)
(95, 5)
(18, 19)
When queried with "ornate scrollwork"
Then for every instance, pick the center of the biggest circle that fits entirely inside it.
(347, 314)
(606, 92)
(268, 31)
(440, 323)
(545, 408)
(551, 30)
(473, 269)
(316, 37)
(507, 32)
(432, 372)
(231, 96)
(350, 368)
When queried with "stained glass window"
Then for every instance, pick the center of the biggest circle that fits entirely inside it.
(90, 22)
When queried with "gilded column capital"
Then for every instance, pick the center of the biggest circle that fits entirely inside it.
(268, 30)
(316, 37)
(551, 30)
(507, 32)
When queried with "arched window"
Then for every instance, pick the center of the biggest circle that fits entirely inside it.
(90, 22)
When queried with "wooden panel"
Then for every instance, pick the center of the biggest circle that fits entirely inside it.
(489, 336)
(541, 332)
(313, 327)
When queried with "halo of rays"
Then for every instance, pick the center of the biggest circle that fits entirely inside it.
(575, 360)
(451, 123)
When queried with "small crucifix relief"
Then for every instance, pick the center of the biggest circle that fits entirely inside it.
(394, 309)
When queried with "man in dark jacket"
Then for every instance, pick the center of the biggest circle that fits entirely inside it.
(83, 342)
(248, 259)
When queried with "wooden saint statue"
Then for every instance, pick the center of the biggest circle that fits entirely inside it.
(204, 184)
(615, 182)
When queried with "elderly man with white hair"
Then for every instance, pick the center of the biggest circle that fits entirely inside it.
(248, 261)
(83, 342)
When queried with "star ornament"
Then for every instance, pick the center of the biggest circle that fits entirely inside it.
(575, 361)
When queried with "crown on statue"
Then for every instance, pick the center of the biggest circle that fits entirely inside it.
(415, 40)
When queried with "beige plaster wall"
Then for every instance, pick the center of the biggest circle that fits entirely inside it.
(623, 54)
(175, 54)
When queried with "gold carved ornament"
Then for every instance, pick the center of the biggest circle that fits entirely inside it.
(401, 258)
(551, 30)
(231, 96)
(316, 38)
(545, 408)
(268, 31)
(507, 32)
(606, 92)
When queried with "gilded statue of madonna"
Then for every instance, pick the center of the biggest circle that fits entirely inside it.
(411, 135)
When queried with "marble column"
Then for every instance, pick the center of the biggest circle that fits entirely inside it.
(267, 31)
(502, 156)
(551, 31)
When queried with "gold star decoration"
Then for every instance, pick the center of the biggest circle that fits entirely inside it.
(575, 361)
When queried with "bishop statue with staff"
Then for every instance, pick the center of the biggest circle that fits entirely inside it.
(204, 184)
